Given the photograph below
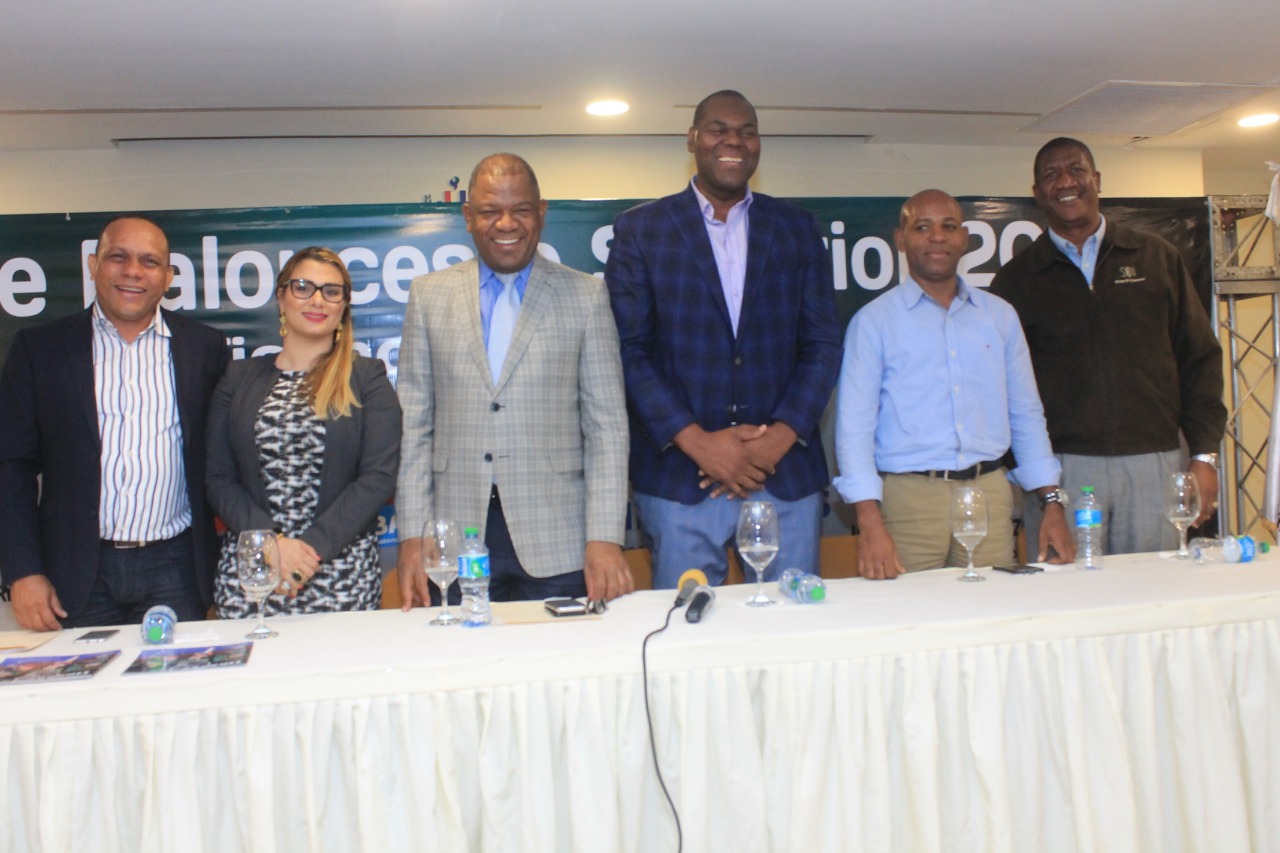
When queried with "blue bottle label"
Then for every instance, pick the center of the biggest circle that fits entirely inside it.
(473, 565)
(1088, 518)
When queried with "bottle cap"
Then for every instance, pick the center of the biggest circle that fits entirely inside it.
(155, 632)
(471, 531)
(818, 593)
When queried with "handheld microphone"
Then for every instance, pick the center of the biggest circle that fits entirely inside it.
(689, 581)
(700, 604)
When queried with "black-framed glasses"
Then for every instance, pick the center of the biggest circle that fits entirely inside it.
(302, 288)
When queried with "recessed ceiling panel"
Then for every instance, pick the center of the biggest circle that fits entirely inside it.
(1125, 108)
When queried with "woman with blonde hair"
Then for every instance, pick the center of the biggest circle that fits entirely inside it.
(306, 442)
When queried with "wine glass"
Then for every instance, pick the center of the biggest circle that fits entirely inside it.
(259, 573)
(969, 524)
(442, 565)
(1182, 507)
(758, 543)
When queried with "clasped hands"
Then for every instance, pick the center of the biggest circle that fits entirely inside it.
(736, 460)
(297, 562)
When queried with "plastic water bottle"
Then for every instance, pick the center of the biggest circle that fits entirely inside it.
(473, 580)
(1088, 531)
(802, 587)
(1232, 549)
(810, 589)
(159, 624)
(1242, 549)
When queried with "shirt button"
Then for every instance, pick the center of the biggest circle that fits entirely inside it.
(493, 407)
(488, 457)
(737, 361)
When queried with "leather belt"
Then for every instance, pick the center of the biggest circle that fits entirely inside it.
(970, 473)
(127, 544)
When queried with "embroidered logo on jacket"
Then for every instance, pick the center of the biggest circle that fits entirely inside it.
(1129, 275)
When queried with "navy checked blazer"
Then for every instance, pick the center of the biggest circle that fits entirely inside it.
(680, 359)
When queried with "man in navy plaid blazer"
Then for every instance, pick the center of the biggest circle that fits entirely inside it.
(730, 350)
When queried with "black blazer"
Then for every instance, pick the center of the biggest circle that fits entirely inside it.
(50, 451)
(361, 455)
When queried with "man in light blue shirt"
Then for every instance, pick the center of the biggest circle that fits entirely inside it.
(935, 388)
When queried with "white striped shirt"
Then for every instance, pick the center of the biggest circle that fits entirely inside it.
(144, 490)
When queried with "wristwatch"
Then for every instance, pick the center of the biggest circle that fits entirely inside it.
(1053, 496)
(1210, 459)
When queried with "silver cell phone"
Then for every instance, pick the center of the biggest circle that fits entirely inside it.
(565, 607)
(100, 636)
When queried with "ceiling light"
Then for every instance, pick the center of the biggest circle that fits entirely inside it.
(608, 108)
(1259, 120)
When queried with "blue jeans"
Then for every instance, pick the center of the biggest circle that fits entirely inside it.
(132, 580)
(695, 537)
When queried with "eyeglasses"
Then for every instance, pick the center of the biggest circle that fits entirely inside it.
(303, 289)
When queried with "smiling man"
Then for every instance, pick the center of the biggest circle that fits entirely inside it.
(514, 415)
(1124, 354)
(730, 347)
(936, 387)
(102, 449)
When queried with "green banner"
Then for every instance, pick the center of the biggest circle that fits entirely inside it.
(226, 260)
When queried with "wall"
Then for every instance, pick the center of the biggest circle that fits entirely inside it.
(214, 174)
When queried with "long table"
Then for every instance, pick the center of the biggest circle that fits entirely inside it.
(1132, 709)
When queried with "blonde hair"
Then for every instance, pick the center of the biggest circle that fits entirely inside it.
(328, 383)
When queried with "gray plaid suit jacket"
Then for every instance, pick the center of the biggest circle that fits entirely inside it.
(552, 435)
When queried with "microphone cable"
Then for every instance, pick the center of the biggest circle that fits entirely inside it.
(648, 715)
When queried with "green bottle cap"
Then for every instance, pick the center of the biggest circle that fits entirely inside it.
(818, 593)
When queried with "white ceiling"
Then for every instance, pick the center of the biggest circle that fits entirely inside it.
(89, 74)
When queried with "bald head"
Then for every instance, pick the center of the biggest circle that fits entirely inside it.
(504, 165)
(928, 198)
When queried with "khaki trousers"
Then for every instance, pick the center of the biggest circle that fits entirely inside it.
(917, 512)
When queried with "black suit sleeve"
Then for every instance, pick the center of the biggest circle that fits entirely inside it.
(20, 464)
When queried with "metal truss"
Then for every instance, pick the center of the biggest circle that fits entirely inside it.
(1246, 282)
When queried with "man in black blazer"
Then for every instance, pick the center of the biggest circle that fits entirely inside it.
(102, 449)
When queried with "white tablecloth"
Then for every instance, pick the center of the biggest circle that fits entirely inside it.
(1132, 709)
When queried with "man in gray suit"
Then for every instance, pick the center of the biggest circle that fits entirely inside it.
(515, 420)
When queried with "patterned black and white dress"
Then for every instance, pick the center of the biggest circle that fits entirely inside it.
(290, 441)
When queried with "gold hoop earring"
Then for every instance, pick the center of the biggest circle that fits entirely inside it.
(284, 330)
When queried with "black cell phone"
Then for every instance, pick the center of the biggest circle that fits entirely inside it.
(1020, 569)
(99, 636)
(565, 607)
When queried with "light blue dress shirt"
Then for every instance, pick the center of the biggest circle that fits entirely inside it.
(924, 387)
(1086, 259)
(491, 289)
(729, 247)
